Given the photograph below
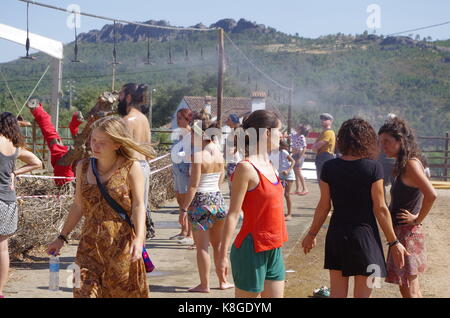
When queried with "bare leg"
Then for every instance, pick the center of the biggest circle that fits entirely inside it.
(273, 289)
(239, 293)
(338, 284)
(180, 198)
(215, 236)
(201, 239)
(302, 180)
(413, 290)
(4, 262)
(287, 196)
(361, 289)
(297, 177)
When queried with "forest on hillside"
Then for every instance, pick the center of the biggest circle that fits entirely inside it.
(346, 75)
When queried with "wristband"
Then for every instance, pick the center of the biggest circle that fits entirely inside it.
(62, 237)
(393, 243)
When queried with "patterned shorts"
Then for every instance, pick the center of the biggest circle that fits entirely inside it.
(206, 209)
(413, 240)
(8, 218)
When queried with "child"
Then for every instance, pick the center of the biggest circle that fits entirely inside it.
(285, 166)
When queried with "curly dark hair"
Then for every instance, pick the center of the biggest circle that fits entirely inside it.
(9, 127)
(400, 130)
(356, 137)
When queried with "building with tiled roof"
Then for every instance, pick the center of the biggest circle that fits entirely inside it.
(240, 106)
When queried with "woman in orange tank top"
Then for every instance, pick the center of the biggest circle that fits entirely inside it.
(256, 256)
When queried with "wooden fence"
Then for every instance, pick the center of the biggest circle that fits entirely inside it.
(439, 164)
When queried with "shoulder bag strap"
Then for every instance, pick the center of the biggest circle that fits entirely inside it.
(116, 207)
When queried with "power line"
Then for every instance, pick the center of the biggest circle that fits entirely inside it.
(117, 20)
(119, 74)
(422, 28)
(256, 67)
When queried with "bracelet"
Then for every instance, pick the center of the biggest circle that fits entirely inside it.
(393, 243)
(62, 237)
(183, 210)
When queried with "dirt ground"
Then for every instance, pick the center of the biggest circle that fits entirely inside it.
(309, 273)
(176, 268)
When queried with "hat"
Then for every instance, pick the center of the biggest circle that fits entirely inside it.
(326, 116)
(234, 118)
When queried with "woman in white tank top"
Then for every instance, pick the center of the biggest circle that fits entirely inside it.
(205, 206)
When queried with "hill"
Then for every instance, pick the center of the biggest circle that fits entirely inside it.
(346, 75)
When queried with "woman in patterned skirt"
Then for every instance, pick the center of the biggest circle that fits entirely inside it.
(412, 197)
(11, 148)
(204, 204)
(110, 250)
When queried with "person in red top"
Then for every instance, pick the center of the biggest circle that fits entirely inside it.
(54, 142)
(256, 256)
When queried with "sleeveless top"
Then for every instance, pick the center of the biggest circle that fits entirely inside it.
(404, 197)
(209, 182)
(7, 166)
(264, 215)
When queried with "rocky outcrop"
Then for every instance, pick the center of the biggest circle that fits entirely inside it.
(135, 33)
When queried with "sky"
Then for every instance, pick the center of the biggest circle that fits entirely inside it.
(307, 18)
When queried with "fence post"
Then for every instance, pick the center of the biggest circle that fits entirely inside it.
(34, 136)
(446, 157)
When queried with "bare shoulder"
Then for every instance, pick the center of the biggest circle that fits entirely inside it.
(414, 170)
(80, 164)
(414, 165)
(244, 168)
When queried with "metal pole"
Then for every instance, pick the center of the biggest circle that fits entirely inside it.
(446, 158)
(291, 97)
(220, 77)
(56, 88)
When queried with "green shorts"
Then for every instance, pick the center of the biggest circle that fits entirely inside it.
(251, 269)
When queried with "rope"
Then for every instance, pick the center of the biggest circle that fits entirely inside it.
(34, 89)
(42, 177)
(159, 170)
(74, 178)
(159, 158)
(9, 90)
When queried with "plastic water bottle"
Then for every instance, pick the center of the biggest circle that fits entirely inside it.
(54, 273)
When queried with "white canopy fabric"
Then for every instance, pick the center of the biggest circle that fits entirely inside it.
(37, 42)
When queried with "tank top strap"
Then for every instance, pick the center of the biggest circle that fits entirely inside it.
(420, 162)
(260, 173)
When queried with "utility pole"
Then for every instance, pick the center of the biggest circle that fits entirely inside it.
(291, 97)
(220, 77)
(150, 106)
(70, 86)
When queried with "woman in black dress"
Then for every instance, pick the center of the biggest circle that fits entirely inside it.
(354, 183)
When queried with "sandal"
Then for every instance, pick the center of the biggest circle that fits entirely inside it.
(177, 237)
(322, 292)
(303, 193)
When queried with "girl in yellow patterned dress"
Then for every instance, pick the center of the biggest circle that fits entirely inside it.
(110, 250)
